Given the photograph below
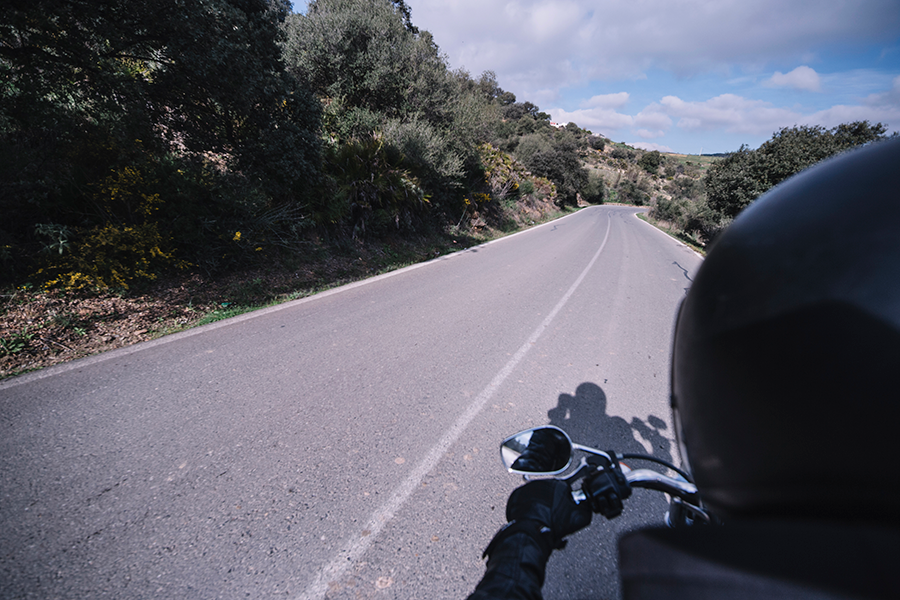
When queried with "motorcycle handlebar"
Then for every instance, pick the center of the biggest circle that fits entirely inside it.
(645, 478)
(548, 451)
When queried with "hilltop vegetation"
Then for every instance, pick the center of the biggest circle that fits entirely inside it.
(701, 208)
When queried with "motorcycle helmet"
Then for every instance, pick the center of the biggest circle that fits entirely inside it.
(786, 355)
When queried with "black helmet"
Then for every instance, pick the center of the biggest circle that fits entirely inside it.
(786, 358)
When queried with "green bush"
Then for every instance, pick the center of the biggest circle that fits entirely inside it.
(597, 142)
(594, 190)
(111, 257)
(622, 153)
(741, 177)
(371, 191)
(671, 210)
(650, 162)
(629, 192)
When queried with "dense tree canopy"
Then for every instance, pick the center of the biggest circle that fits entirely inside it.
(365, 56)
(125, 123)
(203, 76)
(741, 177)
(650, 161)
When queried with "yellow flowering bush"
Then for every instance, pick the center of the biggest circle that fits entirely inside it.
(112, 256)
(125, 188)
(115, 254)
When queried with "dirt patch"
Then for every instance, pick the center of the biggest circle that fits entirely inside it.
(42, 329)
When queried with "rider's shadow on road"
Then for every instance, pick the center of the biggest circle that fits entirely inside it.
(583, 416)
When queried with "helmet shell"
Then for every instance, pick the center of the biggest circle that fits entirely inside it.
(786, 358)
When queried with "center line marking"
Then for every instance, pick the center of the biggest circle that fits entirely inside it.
(356, 547)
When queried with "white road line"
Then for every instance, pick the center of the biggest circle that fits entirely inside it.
(353, 550)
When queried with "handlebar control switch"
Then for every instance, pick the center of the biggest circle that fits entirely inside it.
(607, 489)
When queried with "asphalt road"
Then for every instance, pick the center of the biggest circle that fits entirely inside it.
(345, 445)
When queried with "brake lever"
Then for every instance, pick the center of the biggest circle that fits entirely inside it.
(582, 471)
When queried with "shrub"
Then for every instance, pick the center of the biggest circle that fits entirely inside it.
(372, 190)
(629, 192)
(671, 210)
(620, 152)
(733, 183)
(597, 142)
(594, 190)
(650, 161)
(111, 256)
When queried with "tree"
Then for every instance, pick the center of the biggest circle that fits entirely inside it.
(561, 164)
(366, 56)
(594, 190)
(488, 86)
(597, 142)
(404, 10)
(506, 98)
(740, 178)
(650, 161)
(531, 109)
(514, 111)
(735, 181)
(377, 76)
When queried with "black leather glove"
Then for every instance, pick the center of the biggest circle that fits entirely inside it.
(543, 509)
(541, 514)
(549, 502)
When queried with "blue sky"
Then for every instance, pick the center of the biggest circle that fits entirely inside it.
(681, 75)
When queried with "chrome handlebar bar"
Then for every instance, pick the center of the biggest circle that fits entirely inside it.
(645, 478)
(651, 480)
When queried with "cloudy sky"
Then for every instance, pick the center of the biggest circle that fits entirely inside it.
(682, 75)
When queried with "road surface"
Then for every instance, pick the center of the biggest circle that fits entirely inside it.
(346, 445)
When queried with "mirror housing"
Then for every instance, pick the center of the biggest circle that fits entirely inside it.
(545, 450)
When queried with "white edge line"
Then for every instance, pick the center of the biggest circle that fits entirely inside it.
(125, 351)
(355, 547)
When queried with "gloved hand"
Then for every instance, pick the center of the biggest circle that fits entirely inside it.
(541, 514)
(549, 502)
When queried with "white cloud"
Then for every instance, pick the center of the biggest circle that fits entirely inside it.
(545, 50)
(735, 114)
(889, 99)
(650, 135)
(607, 101)
(650, 146)
(653, 116)
(545, 21)
(598, 120)
(535, 44)
(730, 113)
(801, 78)
(888, 115)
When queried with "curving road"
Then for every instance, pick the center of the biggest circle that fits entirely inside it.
(345, 445)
